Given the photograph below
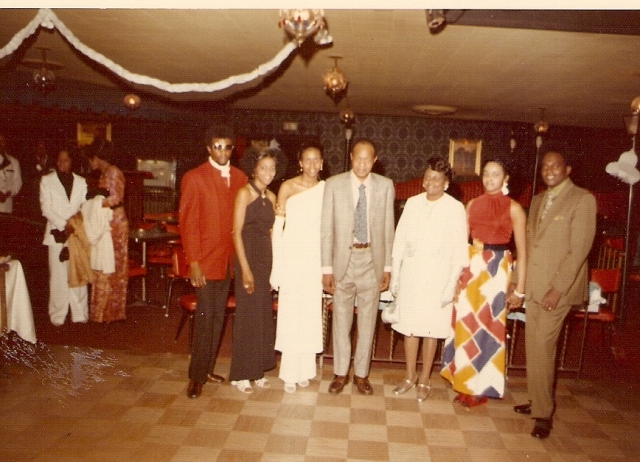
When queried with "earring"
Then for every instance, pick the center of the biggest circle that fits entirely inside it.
(446, 186)
(505, 189)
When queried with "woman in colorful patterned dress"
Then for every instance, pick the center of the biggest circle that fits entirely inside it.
(474, 353)
(109, 291)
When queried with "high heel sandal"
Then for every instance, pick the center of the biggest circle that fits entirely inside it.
(423, 391)
(243, 385)
(404, 386)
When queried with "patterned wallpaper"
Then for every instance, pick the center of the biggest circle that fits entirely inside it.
(404, 143)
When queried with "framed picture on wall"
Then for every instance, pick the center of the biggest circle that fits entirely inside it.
(465, 156)
(88, 131)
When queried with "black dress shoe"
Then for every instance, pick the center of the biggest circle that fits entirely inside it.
(215, 378)
(542, 428)
(523, 408)
(194, 390)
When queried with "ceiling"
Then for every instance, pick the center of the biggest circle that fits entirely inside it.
(582, 67)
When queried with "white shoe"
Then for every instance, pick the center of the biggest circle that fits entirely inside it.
(243, 385)
(303, 383)
(263, 383)
(290, 387)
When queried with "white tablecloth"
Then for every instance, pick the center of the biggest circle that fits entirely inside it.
(19, 312)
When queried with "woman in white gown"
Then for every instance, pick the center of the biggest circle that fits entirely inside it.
(296, 271)
(429, 252)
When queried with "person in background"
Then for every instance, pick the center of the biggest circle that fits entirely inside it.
(206, 222)
(560, 231)
(62, 192)
(474, 352)
(429, 253)
(109, 291)
(357, 228)
(296, 270)
(10, 177)
(253, 326)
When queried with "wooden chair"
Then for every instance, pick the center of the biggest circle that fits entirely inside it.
(609, 281)
(611, 254)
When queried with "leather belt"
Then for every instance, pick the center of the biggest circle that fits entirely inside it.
(357, 245)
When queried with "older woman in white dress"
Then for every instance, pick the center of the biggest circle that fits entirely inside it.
(62, 192)
(429, 253)
(296, 271)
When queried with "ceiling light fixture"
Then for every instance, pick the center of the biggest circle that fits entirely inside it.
(436, 20)
(434, 110)
(335, 82)
(347, 117)
(43, 77)
(303, 23)
(540, 127)
(132, 101)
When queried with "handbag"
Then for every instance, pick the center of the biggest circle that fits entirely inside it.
(390, 313)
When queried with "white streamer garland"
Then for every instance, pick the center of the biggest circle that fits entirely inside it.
(47, 18)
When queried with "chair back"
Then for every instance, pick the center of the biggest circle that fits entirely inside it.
(610, 255)
(609, 281)
(179, 264)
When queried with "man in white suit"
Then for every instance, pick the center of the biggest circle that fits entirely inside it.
(356, 259)
(62, 192)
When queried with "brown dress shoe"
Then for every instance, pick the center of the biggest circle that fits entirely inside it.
(215, 378)
(337, 384)
(363, 385)
(194, 390)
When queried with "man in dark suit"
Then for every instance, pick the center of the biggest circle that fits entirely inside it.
(560, 231)
(356, 239)
(206, 220)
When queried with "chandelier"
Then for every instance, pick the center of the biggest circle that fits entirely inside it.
(335, 82)
(303, 23)
(43, 77)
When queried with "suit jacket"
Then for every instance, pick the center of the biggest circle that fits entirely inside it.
(206, 217)
(56, 207)
(557, 248)
(337, 225)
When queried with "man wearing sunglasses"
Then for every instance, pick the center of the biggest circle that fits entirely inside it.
(206, 221)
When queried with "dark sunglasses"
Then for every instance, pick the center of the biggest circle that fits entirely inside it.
(222, 147)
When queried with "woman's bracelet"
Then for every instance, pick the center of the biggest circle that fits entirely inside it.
(517, 294)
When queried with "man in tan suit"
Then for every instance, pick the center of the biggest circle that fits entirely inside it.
(560, 231)
(356, 239)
